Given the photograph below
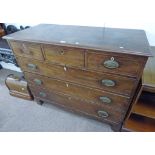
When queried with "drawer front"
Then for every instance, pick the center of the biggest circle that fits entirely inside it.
(80, 92)
(115, 64)
(16, 84)
(113, 83)
(64, 56)
(96, 111)
(24, 49)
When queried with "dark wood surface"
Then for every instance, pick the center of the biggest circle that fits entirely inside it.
(114, 126)
(127, 66)
(80, 92)
(29, 50)
(64, 56)
(123, 85)
(142, 114)
(70, 61)
(145, 105)
(129, 41)
(139, 124)
(77, 105)
(145, 109)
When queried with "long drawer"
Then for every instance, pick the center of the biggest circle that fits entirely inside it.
(25, 49)
(115, 63)
(80, 92)
(103, 81)
(97, 111)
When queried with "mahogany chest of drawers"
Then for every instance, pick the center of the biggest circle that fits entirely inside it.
(91, 70)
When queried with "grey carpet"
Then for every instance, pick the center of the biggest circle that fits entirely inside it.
(22, 115)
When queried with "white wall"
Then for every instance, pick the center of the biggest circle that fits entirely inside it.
(137, 14)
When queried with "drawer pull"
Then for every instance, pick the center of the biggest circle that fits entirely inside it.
(42, 94)
(111, 64)
(32, 66)
(105, 99)
(37, 81)
(108, 83)
(102, 114)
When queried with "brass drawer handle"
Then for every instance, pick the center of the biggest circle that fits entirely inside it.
(105, 99)
(102, 114)
(111, 64)
(32, 66)
(37, 81)
(42, 94)
(108, 83)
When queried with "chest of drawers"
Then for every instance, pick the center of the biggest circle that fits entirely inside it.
(90, 70)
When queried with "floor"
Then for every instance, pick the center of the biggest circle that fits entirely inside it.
(18, 115)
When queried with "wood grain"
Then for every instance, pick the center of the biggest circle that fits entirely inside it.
(123, 85)
(64, 56)
(128, 67)
(145, 105)
(26, 49)
(77, 105)
(145, 109)
(80, 92)
(102, 38)
(68, 61)
(139, 124)
(18, 87)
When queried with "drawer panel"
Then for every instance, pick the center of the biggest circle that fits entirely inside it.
(25, 49)
(113, 63)
(109, 82)
(17, 84)
(64, 56)
(99, 112)
(80, 92)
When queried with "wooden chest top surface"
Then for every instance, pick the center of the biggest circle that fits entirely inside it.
(130, 41)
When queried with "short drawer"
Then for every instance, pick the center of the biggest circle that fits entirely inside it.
(112, 63)
(25, 49)
(87, 94)
(99, 112)
(113, 83)
(64, 55)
